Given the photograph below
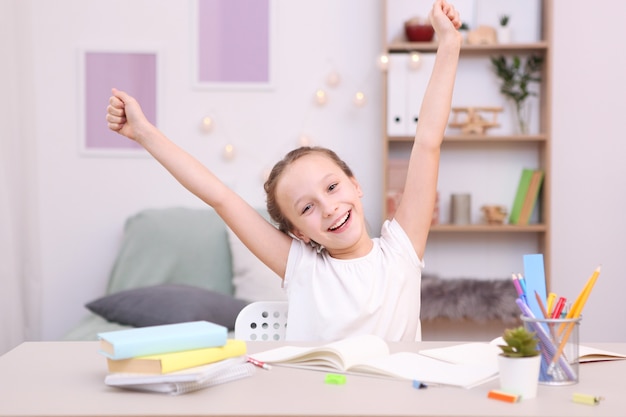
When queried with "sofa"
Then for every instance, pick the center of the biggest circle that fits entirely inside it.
(183, 264)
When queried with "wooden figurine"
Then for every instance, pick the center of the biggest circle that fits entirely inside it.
(474, 121)
(483, 35)
(494, 214)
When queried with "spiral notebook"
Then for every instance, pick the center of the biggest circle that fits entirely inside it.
(188, 380)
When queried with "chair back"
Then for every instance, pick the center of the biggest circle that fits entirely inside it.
(262, 321)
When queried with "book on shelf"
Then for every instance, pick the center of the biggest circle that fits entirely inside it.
(184, 381)
(530, 199)
(162, 363)
(520, 195)
(369, 355)
(142, 341)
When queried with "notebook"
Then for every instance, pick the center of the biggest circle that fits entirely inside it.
(188, 380)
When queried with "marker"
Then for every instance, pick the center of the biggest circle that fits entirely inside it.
(419, 385)
(586, 399)
(259, 363)
(335, 379)
(507, 397)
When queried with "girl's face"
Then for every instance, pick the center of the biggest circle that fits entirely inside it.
(324, 205)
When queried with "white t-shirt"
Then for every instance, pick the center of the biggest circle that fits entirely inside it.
(379, 293)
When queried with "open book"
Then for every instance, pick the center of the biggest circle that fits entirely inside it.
(187, 380)
(483, 352)
(369, 355)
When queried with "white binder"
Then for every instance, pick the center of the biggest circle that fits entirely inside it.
(396, 94)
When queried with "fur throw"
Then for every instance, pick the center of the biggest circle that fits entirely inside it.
(469, 299)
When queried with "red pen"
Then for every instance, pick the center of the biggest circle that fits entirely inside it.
(558, 308)
(259, 363)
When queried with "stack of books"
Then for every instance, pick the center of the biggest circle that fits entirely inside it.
(526, 196)
(173, 358)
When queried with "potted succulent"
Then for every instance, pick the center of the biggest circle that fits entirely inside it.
(504, 30)
(519, 362)
(516, 76)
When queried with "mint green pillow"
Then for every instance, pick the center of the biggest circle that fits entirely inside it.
(175, 245)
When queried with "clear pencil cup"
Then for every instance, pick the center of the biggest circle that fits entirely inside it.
(559, 346)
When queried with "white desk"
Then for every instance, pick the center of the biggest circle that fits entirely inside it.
(66, 379)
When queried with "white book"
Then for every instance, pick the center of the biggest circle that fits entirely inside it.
(369, 355)
(187, 380)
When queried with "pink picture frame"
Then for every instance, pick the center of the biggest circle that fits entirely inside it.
(135, 72)
(233, 44)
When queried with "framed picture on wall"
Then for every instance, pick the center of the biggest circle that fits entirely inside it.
(233, 44)
(133, 71)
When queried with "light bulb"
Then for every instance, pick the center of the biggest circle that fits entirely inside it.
(206, 125)
(229, 152)
(333, 79)
(304, 140)
(414, 60)
(359, 99)
(320, 97)
(383, 62)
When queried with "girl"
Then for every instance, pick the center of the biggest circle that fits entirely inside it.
(339, 281)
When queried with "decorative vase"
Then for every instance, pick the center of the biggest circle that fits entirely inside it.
(521, 117)
(519, 375)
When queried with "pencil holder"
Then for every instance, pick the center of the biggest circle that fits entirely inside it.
(559, 345)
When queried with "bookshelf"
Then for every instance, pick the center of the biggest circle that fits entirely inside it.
(488, 165)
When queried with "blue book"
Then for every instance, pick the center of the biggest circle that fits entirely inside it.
(152, 340)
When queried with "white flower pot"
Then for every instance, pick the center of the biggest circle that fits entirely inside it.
(519, 375)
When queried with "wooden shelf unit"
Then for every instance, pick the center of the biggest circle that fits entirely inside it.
(538, 232)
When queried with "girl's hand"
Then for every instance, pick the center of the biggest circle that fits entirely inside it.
(445, 19)
(124, 115)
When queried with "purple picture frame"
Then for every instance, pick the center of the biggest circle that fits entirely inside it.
(132, 72)
(233, 43)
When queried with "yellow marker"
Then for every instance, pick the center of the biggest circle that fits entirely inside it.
(586, 399)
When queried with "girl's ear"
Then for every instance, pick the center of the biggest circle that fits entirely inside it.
(301, 236)
(357, 186)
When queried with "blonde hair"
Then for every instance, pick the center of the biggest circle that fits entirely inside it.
(273, 209)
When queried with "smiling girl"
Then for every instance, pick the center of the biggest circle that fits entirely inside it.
(340, 281)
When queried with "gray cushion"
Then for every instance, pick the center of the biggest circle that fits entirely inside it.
(167, 303)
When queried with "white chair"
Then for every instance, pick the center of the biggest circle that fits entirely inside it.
(262, 321)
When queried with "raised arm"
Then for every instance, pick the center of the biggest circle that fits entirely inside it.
(124, 115)
(414, 213)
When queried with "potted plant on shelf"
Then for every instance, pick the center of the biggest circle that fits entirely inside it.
(516, 76)
(504, 30)
(519, 362)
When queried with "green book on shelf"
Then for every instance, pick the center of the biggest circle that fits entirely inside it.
(520, 195)
(531, 197)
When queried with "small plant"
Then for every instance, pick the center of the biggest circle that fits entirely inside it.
(520, 343)
(464, 26)
(504, 20)
(516, 77)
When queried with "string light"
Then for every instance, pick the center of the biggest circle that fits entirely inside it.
(206, 125)
(359, 99)
(229, 152)
(414, 60)
(321, 97)
(304, 140)
(383, 62)
(333, 79)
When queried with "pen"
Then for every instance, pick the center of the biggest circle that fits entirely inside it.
(259, 363)
(558, 308)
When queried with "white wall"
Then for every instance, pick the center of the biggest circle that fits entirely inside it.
(589, 173)
(82, 202)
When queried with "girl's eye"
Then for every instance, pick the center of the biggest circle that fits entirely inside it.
(332, 187)
(306, 208)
